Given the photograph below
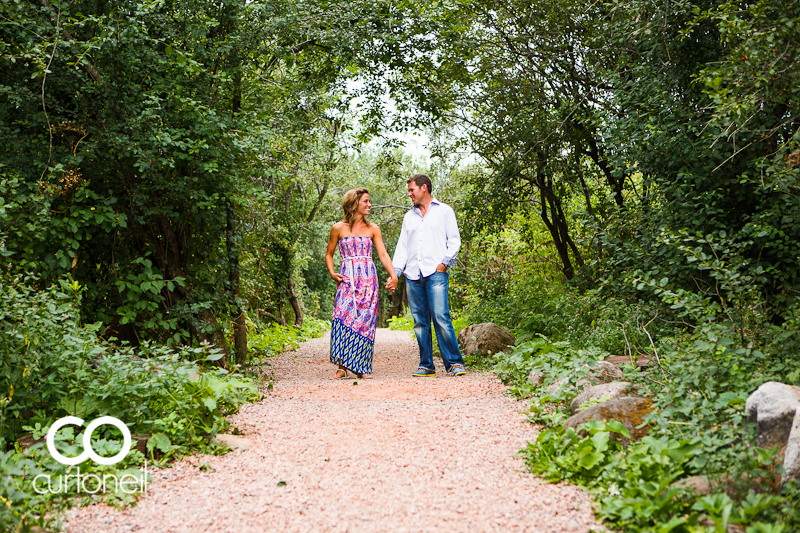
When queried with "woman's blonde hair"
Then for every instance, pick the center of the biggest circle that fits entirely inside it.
(350, 204)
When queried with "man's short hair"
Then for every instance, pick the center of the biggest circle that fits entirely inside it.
(420, 180)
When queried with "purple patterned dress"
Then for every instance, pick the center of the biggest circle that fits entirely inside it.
(355, 309)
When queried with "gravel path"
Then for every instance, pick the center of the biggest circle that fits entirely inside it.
(391, 454)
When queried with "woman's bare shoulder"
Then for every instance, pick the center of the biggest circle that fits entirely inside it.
(339, 228)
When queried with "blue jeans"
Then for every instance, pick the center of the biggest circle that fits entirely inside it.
(427, 298)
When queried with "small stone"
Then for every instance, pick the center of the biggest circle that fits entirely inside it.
(602, 372)
(696, 484)
(26, 441)
(557, 385)
(536, 378)
(140, 442)
(233, 442)
(640, 361)
(703, 485)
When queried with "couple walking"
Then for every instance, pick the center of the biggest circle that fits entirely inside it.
(427, 248)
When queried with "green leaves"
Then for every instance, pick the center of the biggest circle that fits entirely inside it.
(159, 442)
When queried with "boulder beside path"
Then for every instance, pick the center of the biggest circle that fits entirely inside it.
(601, 393)
(630, 412)
(484, 339)
(775, 410)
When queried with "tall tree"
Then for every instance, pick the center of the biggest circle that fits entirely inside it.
(526, 83)
(132, 132)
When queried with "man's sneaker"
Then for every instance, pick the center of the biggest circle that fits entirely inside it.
(458, 370)
(424, 373)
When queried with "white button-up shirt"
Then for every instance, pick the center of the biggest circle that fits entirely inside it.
(427, 241)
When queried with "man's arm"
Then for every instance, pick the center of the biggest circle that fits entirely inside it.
(452, 238)
(400, 257)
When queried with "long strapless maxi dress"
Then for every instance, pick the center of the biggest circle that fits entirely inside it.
(355, 308)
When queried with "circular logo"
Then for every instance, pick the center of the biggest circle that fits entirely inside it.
(87, 440)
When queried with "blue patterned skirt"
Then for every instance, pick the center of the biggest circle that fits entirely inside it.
(351, 350)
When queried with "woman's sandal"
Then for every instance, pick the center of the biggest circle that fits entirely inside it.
(363, 376)
(340, 374)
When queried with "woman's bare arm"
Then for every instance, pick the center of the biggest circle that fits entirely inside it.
(377, 239)
(332, 241)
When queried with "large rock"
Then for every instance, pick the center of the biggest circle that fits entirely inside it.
(484, 339)
(791, 459)
(604, 392)
(775, 410)
(772, 408)
(629, 411)
(602, 372)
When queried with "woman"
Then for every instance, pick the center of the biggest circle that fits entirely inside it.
(355, 310)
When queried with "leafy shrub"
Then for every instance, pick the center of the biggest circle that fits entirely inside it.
(272, 339)
(698, 387)
(150, 387)
(22, 506)
(554, 359)
(402, 323)
(51, 366)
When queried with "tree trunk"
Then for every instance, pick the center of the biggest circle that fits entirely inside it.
(170, 259)
(238, 305)
(587, 194)
(298, 310)
(556, 223)
(282, 321)
(616, 184)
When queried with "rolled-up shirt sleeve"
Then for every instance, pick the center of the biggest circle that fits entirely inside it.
(452, 239)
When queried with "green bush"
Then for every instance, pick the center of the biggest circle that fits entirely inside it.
(52, 366)
(698, 387)
(272, 339)
(22, 506)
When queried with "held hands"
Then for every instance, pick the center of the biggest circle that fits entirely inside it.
(391, 284)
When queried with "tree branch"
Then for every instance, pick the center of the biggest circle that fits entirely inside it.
(87, 67)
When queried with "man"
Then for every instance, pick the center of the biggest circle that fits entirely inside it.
(427, 248)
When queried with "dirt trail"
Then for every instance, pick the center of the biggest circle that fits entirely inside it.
(391, 454)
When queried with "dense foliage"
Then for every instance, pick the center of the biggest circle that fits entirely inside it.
(169, 172)
(657, 143)
(53, 366)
